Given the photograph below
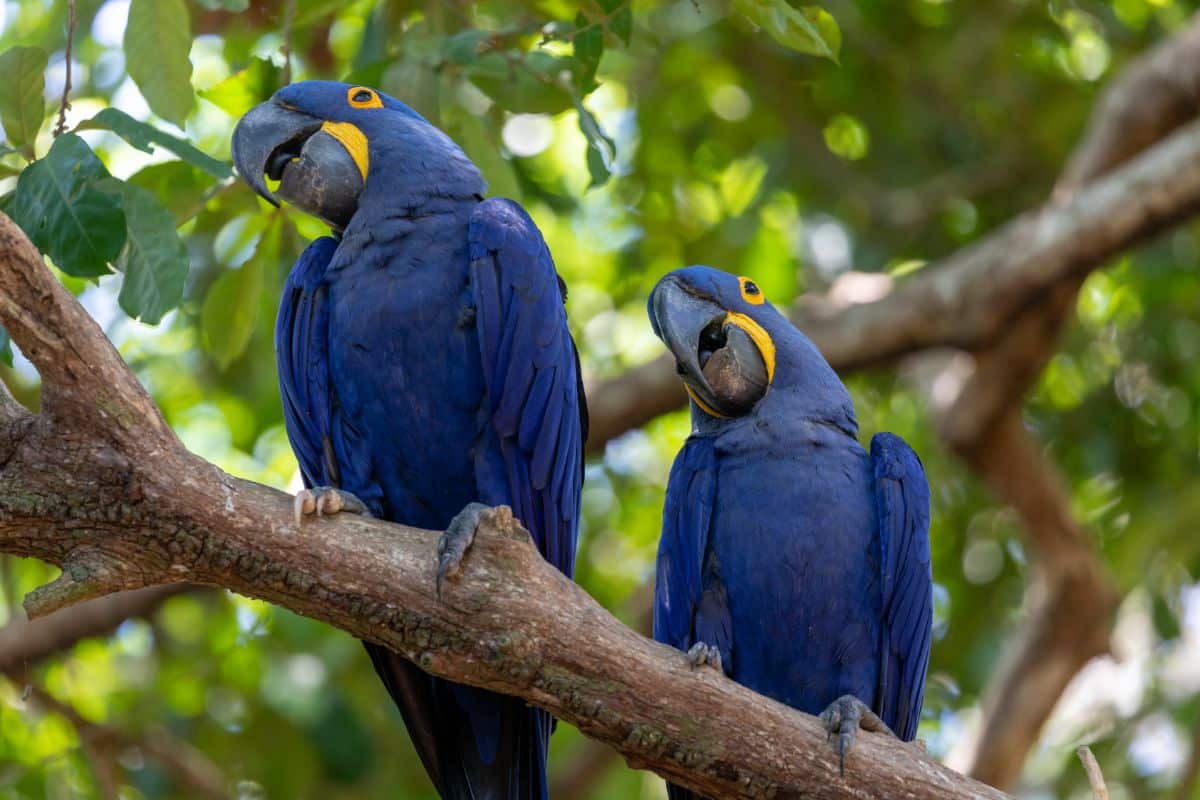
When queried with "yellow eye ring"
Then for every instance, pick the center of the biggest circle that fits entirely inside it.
(362, 97)
(750, 292)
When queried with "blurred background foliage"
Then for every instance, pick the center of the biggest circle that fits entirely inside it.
(784, 143)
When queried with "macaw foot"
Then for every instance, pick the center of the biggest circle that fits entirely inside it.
(701, 654)
(844, 717)
(325, 501)
(456, 541)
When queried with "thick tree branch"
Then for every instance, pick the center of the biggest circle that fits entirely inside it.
(1069, 601)
(99, 485)
(969, 299)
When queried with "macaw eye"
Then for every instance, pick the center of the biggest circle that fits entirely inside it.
(750, 292)
(362, 97)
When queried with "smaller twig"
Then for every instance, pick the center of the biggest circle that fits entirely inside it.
(185, 763)
(289, 16)
(65, 104)
(1094, 775)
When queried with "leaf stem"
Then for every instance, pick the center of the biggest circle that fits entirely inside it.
(61, 125)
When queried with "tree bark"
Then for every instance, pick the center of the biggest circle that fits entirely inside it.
(99, 485)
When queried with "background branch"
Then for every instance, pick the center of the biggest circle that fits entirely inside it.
(24, 642)
(103, 744)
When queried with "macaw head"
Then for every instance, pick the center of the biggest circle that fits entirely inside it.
(333, 145)
(737, 355)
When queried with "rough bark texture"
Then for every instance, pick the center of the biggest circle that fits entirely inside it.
(98, 485)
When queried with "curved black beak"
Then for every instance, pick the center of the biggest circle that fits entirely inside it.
(718, 361)
(316, 172)
(264, 136)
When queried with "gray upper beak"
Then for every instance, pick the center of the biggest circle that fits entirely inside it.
(717, 360)
(315, 172)
(265, 129)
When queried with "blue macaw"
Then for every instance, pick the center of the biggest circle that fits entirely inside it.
(790, 559)
(426, 368)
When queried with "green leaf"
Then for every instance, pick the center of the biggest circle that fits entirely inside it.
(246, 88)
(601, 149)
(464, 47)
(62, 207)
(158, 39)
(6, 353)
(845, 136)
(523, 82)
(373, 47)
(810, 30)
(473, 136)
(154, 259)
(234, 6)
(177, 184)
(620, 18)
(144, 137)
(22, 107)
(231, 307)
(7, 170)
(589, 48)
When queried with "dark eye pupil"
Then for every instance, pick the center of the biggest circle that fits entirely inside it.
(362, 96)
(751, 287)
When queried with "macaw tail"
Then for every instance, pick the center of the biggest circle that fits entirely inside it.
(475, 744)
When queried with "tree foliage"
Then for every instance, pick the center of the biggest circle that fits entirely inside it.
(784, 142)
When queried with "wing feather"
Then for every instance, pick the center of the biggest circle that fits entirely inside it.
(687, 515)
(902, 498)
(301, 339)
(531, 370)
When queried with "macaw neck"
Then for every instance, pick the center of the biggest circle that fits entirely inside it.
(784, 407)
(400, 182)
(439, 219)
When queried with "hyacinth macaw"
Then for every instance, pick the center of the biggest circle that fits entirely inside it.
(426, 368)
(790, 559)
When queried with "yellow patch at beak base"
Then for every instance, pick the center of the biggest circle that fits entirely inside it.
(761, 339)
(712, 412)
(354, 140)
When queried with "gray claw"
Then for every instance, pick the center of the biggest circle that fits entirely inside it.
(325, 501)
(844, 717)
(701, 654)
(456, 541)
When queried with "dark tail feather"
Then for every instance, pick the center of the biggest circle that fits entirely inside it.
(412, 692)
(475, 744)
(679, 793)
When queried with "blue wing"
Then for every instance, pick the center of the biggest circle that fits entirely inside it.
(302, 357)
(302, 352)
(531, 373)
(902, 497)
(690, 602)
